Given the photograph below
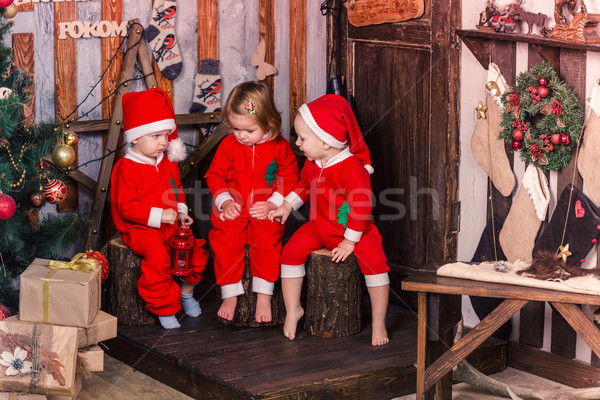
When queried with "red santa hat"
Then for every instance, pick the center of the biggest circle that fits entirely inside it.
(151, 111)
(332, 120)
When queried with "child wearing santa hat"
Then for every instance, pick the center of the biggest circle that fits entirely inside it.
(147, 202)
(253, 169)
(336, 180)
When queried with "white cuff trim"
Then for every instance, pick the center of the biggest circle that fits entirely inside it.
(182, 208)
(292, 271)
(295, 200)
(259, 285)
(353, 235)
(369, 168)
(377, 280)
(232, 290)
(222, 198)
(276, 198)
(155, 217)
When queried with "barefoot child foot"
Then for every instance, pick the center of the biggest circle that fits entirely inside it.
(227, 309)
(379, 301)
(263, 308)
(291, 322)
(380, 335)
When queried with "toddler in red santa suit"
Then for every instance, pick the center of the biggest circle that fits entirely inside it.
(147, 203)
(254, 168)
(336, 179)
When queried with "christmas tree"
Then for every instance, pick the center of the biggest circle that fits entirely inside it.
(26, 182)
(271, 173)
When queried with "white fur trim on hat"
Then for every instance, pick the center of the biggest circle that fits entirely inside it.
(321, 134)
(143, 130)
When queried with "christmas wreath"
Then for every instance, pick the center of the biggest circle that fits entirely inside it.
(542, 118)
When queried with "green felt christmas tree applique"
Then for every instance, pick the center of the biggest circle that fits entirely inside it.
(271, 171)
(343, 214)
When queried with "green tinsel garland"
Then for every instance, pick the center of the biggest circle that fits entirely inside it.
(558, 113)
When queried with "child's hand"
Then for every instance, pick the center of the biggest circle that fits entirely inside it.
(168, 216)
(281, 213)
(260, 209)
(231, 210)
(184, 220)
(342, 251)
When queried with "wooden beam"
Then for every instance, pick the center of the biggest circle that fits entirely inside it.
(25, 7)
(111, 10)
(23, 57)
(266, 32)
(65, 87)
(208, 29)
(182, 119)
(297, 56)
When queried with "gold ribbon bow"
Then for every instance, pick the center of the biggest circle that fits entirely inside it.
(77, 263)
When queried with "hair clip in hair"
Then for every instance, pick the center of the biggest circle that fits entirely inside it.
(251, 107)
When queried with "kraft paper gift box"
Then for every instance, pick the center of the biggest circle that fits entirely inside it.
(20, 396)
(76, 390)
(92, 357)
(37, 358)
(103, 327)
(59, 296)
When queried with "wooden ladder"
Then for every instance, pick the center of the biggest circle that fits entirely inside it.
(136, 50)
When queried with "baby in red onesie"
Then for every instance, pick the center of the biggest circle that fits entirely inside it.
(336, 179)
(254, 168)
(147, 202)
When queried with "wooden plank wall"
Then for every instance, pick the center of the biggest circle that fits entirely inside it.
(266, 32)
(297, 56)
(23, 53)
(65, 93)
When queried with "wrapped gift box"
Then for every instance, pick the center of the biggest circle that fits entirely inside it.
(20, 396)
(37, 358)
(92, 357)
(58, 296)
(76, 390)
(103, 327)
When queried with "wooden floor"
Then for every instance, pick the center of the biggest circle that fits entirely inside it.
(208, 360)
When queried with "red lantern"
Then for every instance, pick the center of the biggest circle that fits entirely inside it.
(181, 247)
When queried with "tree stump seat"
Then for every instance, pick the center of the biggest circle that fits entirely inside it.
(333, 296)
(123, 300)
(246, 303)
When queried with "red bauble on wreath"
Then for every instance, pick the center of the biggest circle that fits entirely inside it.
(7, 207)
(5, 3)
(55, 191)
(102, 262)
(516, 144)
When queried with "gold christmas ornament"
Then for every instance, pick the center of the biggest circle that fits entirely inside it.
(492, 86)
(10, 11)
(63, 155)
(70, 138)
(564, 252)
(481, 110)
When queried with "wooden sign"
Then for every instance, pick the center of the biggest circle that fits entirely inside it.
(86, 29)
(373, 12)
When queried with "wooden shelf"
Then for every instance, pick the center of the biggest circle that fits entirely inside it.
(182, 119)
(478, 41)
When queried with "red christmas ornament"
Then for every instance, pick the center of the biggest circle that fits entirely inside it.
(55, 191)
(181, 247)
(7, 207)
(42, 165)
(516, 144)
(564, 139)
(555, 138)
(5, 3)
(102, 262)
(4, 312)
(518, 134)
(543, 91)
(542, 81)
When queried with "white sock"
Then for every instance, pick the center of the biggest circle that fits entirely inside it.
(160, 34)
(190, 305)
(169, 322)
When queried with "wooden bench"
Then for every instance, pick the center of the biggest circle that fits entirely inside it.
(439, 310)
